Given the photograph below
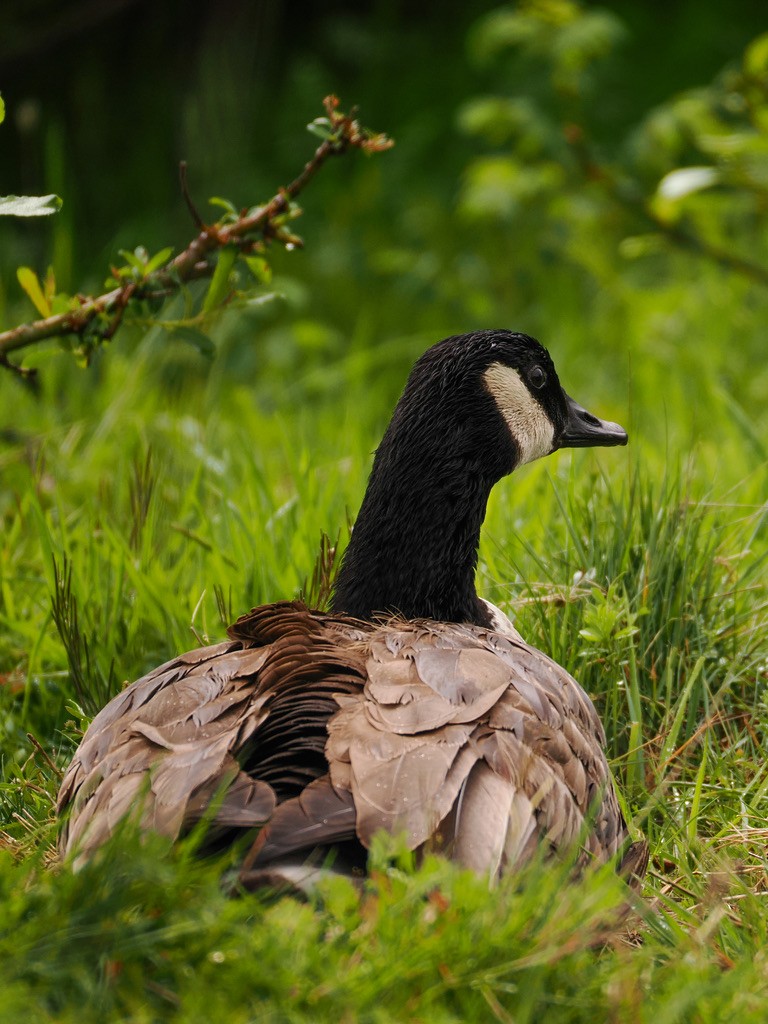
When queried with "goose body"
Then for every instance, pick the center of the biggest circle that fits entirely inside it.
(412, 706)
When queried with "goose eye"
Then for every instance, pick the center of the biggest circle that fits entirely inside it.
(537, 378)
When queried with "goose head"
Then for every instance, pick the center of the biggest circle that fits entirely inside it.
(475, 407)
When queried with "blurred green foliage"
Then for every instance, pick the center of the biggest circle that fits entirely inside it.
(537, 162)
(692, 173)
(594, 176)
(229, 250)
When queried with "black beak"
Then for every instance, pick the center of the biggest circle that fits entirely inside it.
(583, 430)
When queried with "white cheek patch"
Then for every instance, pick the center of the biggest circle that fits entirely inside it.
(527, 421)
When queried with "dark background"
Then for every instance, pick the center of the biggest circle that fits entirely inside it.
(104, 97)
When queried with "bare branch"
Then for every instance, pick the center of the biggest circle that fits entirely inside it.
(248, 232)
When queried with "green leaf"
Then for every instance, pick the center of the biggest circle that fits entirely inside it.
(158, 260)
(219, 286)
(322, 128)
(63, 303)
(225, 204)
(136, 260)
(29, 206)
(260, 269)
(29, 282)
(2, 110)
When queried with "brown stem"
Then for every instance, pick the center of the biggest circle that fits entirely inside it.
(43, 753)
(198, 220)
(213, 238)
(120, 307)
(193, 262)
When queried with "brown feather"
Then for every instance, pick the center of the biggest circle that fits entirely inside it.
(320, 730)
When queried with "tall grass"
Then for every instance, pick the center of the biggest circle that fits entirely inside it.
(147, 501)
(138, 522)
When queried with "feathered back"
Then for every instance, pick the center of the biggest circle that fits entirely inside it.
(318, 730)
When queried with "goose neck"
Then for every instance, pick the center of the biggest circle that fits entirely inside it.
(414, 546)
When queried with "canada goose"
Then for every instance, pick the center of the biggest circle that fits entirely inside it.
(413, 705)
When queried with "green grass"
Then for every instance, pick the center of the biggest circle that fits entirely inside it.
(149, 501)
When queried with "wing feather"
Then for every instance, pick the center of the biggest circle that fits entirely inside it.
(318, 731)
(476, 744)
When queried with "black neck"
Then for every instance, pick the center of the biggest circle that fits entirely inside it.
(413, 549)
(414, 557)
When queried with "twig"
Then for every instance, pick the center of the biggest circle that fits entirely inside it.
(44, 754)
(343, 133)
(198, 220)
(28, 374)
